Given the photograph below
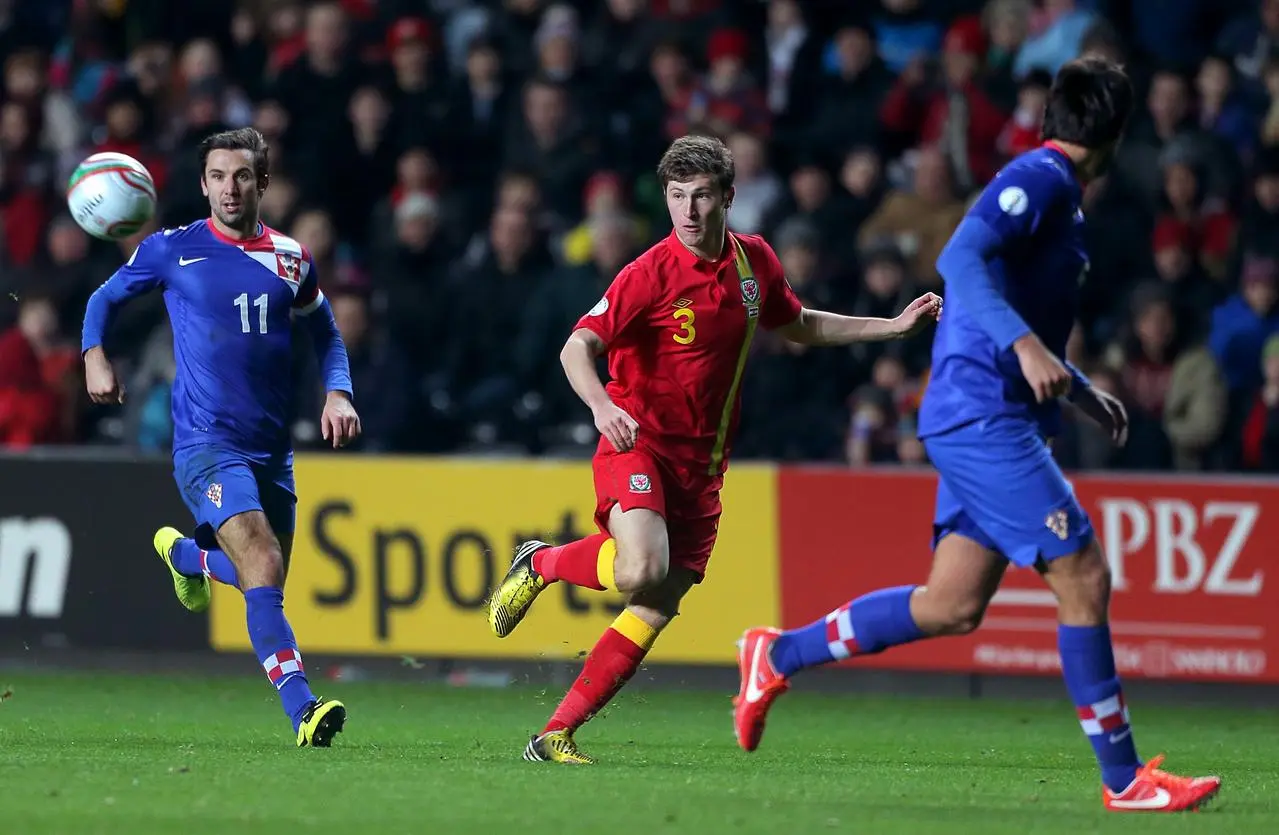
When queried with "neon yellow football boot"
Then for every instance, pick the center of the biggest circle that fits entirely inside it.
(192, 592)
(323, 720)
(556, 747)
(517, 591)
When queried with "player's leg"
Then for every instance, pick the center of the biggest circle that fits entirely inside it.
(689, 539)
(612, 662)
(965, 574)
(187, 557)
(1005, 477)
(198, 556)
(1080, 580)
(324, 718)
(196, 472)
(248, 539)
(630, 553)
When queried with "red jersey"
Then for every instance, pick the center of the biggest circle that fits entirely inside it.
(678, 330)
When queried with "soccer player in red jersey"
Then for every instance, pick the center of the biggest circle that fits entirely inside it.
(677, 325)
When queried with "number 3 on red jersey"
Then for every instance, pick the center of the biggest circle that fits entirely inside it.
(686, 318)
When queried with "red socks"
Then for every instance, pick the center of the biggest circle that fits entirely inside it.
(615, 658)
(587, 562)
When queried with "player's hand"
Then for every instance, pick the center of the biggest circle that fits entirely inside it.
(619, 427)
(1106, 410)
(99, 378)
(1048, 376)
(339, 423)
(918, 315)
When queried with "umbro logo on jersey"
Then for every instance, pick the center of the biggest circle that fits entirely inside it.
(682, 303)
(182, 262)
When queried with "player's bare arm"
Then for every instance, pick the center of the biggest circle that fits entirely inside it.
(100, 379)
(339, 422)
(578, 358)
(1104, 409)
(1046, 374)
(819, 327)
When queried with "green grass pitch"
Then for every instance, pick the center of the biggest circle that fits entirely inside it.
(184, 755)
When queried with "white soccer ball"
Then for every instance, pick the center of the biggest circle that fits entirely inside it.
(111, 196)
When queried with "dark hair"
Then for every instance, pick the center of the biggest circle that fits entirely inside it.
(695, 156)
(241, 139)
(1101, 37)
(545, 81)
(1038, 78)
(1089, 103)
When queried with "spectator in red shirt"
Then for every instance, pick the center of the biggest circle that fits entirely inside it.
(951, 112)
(29, 407)
(1021, 134)
(728, 99)
(1259, 446)
(1207, 220)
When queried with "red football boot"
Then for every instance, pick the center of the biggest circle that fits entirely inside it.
(761, 684)
(1159, 791)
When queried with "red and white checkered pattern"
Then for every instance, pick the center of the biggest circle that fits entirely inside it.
(282, 664)
(1105, 716)
(289, 260)
(840, 639)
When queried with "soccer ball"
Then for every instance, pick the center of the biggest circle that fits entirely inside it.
(111, 196)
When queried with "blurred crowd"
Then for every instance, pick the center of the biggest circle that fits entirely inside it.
(470, 175)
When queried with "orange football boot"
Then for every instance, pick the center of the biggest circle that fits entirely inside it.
(1159, 791)
(761, 684)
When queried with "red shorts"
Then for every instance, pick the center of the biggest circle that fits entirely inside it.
(688, 501)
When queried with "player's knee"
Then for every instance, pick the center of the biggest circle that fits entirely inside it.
(962, 616)
(941, 613)
(640, 569)
(643, 559)
(262, 566)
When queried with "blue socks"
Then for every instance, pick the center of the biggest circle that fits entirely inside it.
(871, 623)
(277, 649)
(190, 560)
(1088, 665)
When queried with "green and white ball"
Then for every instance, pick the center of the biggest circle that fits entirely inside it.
(111, 196)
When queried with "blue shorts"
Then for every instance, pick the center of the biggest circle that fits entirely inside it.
(217, 484)
(1001, 487)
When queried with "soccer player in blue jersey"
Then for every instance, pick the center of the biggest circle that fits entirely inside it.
(1012, 272)
(232, 287)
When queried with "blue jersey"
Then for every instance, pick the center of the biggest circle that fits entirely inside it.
(231, 305)
(1014, 266)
